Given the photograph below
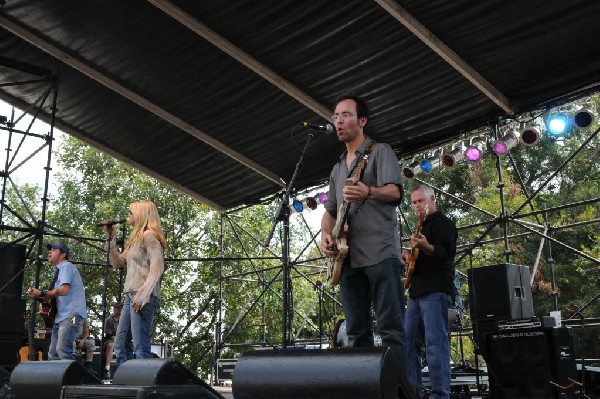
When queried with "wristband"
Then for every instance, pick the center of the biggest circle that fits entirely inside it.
(369, 194)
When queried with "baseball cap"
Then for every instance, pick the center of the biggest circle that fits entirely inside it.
(59, 246)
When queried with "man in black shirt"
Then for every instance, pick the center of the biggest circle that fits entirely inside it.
(430, 294)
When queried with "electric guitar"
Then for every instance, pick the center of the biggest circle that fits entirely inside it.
(339, 233)
(414, 253)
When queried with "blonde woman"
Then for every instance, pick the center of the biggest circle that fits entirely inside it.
(144, 258)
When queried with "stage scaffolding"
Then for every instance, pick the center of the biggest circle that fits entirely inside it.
(310, 269)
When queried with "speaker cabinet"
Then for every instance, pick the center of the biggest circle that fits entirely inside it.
(147, 372)
(46, 379)
(133, 392)
(525, 362)
(10, 343)
(481, 332)
(12, 259)
(358, 373)
(500, 292)
(12, 315)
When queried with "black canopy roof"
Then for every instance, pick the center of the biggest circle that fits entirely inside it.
(208, 95)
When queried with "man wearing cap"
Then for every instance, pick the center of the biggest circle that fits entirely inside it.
(70, 300)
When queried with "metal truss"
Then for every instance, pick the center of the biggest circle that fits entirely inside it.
(310, 270)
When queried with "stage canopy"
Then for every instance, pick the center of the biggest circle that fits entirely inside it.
(208, 95)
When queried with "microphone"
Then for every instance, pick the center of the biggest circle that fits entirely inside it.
(328, 128)
(111, 222)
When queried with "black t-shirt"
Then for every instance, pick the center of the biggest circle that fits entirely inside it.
(110, 327)
(435, 273)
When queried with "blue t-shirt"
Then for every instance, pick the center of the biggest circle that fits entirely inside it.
(74, 301)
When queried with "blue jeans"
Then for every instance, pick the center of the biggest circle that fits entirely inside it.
(140, 324)
(381, 285)
(427, 320)
(63, 338)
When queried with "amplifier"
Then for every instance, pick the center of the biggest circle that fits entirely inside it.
(225, 369)
(532, 363)
(532, 322)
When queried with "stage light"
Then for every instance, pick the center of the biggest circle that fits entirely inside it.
(310, 203)
(412, 170)
(530, 137)
(451, 158)
(429, 164)
(505, 144)
(322, 197)
(583, 119)
(297, 205)
(475, 152)
(557, 124)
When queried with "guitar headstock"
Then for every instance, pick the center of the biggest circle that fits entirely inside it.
(423, 212)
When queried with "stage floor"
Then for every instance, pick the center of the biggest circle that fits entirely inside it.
(225, 391)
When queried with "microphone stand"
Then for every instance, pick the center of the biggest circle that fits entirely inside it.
(578, 312)
(104, 295)
(283, 215)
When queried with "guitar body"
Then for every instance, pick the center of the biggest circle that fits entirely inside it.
(24, 354)
(48, 311)
(414, 253)
(336, 263)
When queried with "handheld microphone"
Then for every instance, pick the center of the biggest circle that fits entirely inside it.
(111, 222)
(327, 128)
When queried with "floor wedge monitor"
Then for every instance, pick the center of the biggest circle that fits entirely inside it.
(357, 373)
(46, 379)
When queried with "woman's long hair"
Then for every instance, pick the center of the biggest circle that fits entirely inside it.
(145, 217)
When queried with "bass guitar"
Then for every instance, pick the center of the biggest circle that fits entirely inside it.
(339, 233)
(414, 253)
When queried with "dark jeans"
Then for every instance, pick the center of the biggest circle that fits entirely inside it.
(381, 285)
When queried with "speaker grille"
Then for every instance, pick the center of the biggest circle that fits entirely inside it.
(523, 362)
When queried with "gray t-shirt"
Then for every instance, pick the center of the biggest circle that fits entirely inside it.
(373, 230)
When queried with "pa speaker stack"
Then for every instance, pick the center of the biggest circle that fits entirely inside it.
(532, 363)
(498, 292)
(12, 305)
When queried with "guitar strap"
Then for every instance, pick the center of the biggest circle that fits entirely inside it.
(51, 287)
(365, 155)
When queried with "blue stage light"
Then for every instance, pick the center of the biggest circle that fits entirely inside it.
(298, 207)
(426, 166)
(557, 124)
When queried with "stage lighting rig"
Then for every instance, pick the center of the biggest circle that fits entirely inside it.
(475, 151)
(530, 137)
(505, 144)
(450, 159)
(558, 124)
(412, 170)
(429, 164)
(583, 119)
